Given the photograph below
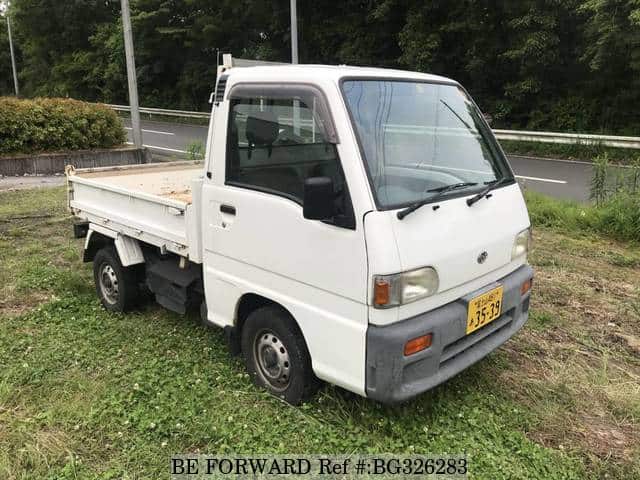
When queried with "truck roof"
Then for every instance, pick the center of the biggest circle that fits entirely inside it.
(328, 72)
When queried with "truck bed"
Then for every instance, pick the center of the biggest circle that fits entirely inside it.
(168, 180)
(152, 203)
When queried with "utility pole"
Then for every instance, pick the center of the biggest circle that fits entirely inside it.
(294, 60)
(294, 33)
(131, 75)
(4, 9)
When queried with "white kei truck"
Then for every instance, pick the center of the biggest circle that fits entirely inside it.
(359, 226)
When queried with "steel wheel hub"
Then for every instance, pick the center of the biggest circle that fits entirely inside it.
(109, 283)
(272, 360)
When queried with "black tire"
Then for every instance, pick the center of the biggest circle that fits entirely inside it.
(270, 337)
(117, 286)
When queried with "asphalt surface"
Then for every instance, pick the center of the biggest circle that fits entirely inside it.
(558, 178)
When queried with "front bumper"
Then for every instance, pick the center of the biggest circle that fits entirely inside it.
(391, 377)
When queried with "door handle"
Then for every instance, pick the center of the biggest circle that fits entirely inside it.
(228, 209)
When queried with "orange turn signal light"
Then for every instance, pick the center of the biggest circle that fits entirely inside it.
(526, 286)
(381, 292)
(418, 344)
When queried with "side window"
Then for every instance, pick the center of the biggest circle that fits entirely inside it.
(276, 142)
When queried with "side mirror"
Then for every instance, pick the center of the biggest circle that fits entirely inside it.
(488, 118)
(318, 198)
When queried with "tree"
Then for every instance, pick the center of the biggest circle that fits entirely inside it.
(541, 64)
(50, 33)
(612, 54)
(462, 40)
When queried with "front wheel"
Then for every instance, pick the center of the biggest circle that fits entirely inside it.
(276, 355)
(116, 286)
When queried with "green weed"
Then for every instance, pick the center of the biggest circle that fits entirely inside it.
(541, 320)
(617, 216)
(195, 150)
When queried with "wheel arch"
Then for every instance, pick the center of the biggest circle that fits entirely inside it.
(127, 248)
(94, 242)
(249, 303)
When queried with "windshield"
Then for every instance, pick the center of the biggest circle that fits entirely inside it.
(417, 138)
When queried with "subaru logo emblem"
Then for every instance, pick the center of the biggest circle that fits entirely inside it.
(482, 257)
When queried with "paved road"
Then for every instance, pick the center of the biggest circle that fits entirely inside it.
(558, 178)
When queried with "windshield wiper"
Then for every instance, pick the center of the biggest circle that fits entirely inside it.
(466, 124)
(441, 191)
(490, 186)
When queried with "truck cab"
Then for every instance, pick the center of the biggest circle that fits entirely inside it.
(358, 226)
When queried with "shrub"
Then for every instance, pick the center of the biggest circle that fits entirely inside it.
(56, 124)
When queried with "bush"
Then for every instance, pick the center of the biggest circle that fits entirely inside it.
(56, 124)
(618, 216)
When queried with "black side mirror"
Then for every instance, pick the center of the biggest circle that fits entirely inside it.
(318, 198)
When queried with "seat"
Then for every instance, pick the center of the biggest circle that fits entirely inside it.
(262, 130)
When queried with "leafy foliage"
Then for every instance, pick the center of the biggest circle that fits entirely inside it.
(570, 65)
(50, 124)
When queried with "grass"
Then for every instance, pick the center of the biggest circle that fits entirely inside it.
(85, 393)
(623, 156)
(617, 217)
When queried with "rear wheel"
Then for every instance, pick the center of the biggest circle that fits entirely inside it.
(116, 286)
(276, 355)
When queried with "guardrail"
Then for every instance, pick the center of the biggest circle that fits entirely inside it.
(569, 138)
(162, 111)
(514, 135)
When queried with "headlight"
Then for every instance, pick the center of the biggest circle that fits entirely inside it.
(522, 244)
(401, 288)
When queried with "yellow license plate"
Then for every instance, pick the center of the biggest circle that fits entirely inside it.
(484, 309)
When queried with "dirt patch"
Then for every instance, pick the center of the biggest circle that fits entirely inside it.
(579, 357)
(17, 306)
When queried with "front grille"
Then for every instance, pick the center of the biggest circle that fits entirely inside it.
(474, 340)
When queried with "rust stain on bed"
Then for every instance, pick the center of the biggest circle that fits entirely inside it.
(182, 196)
